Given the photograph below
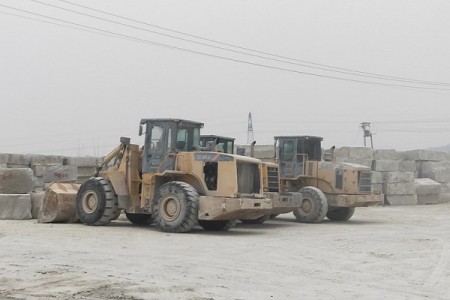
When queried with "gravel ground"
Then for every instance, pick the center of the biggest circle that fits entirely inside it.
(382, 252)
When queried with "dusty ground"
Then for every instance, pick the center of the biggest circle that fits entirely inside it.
(382, 252)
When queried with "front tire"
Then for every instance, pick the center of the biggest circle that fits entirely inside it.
(340, 213)
(314, 205)
(96, 202)
(221, 225)
(175, 207)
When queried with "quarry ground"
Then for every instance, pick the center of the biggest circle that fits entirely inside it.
(382, 252)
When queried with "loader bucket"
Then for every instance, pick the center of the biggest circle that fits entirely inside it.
(59, 203)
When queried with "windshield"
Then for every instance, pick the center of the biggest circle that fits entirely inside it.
(187, 138)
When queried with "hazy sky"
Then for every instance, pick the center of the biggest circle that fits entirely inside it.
(75, 92)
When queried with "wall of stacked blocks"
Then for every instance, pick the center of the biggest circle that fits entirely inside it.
(415, 177)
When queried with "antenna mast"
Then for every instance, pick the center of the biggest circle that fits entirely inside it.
(250, 137)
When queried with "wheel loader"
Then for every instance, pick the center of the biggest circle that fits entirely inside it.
(329, 189)
(282, 202)
(173, 182)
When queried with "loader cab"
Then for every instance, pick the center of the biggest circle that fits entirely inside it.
(223, 144)
(164, 138)
(293, 153)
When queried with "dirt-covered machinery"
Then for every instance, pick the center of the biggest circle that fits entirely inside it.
(328, 188)
(173, 182)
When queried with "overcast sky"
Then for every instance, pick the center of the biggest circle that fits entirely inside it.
(72, 91)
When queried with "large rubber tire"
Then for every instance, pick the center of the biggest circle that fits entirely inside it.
(139, 219)
(217, 225)
(175, 207)
(259, 220)
(314, 205)
(340, 213)
(96, 202)
(116, 215)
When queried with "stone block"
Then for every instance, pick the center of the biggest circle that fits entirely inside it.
(36, 201)
(377, 177)
(38, 182)
(86, 171)
(386, 154)
(438, 171)
(3, 166)
(60, 174)
(385, 165)
(425, 186)
(19, 159)
(425, 155)
(395, 200)
(377, 188)
(16, 181)
(16, 166)
(399, 188)
(46, 160)
(407, 166)
(87, 161)
(354, 152)
(82, 179)
(428, 199)
(4, 158)
(355, 160)
(398, 177)
(15, 207)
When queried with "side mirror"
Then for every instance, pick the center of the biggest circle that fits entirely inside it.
(140, 129)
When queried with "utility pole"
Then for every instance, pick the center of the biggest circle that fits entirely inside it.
(250, 137)
(367, 133)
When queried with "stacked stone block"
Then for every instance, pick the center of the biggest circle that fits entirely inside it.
(86, 166)
(15, 187)
(357, 155)
(428, 191)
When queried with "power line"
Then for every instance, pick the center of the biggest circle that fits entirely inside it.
(318, 65)
(231, 59)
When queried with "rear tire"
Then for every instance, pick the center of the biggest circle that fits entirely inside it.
(314, 205)
(139, 219)
(96, 202)
(340, 213)
(175, 207)
(221, 225)
(259, 220)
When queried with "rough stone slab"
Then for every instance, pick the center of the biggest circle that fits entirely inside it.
(37, 159)
(15, 207)
(87, 161)
(377, 177)
(60, 174)
(354, 152)
(38, 182)
(399, 188)
(407, 166)
(386, 154)
(16, 181)
(36, 202)
(425, 155)
(438, 171)
(16, 166)
(428, 199)
(401, 200)
(385, 165)
(398, 177)
(355, 160)
(18, 159)
(86, 171)
(425, 186)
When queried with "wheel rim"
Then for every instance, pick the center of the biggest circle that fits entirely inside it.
(170, 208)
(90, 202)
(307, 206)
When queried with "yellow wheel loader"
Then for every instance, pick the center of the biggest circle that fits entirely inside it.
(329, 189)
(173, 182)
